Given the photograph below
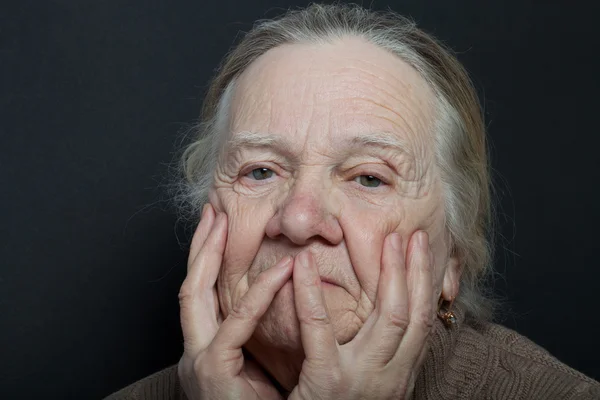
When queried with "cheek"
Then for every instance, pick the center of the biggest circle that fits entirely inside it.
(246, 219)
(246, 226)
(365, 229)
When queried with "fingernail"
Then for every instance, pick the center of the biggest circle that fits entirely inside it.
(431, 258)
(395, 239)
(423, 240)
(219, 218)
(284, 262)
(303, 259)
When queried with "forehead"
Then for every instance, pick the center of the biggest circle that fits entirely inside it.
(325, 92)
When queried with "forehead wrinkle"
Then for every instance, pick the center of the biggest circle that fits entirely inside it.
(411, 121)
(395, 79)
(391, 81)
(402, 87)
(408, 108)
(408, 111)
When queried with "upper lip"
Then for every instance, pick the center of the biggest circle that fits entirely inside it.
(327, 277)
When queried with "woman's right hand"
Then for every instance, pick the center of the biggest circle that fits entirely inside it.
(213, 365)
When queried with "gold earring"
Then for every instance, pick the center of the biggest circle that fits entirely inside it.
(447, 316)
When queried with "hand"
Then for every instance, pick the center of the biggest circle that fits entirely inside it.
(212, 365)
(383, 359)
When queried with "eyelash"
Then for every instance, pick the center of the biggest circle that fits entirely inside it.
(247, 172)
(384, 182)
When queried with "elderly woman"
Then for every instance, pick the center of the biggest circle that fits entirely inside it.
(342, 175)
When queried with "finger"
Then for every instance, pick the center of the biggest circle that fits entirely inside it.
(420, 289)
(392, 315)
(196, 296)
(316, 330)
(202, 230)
(241, 322)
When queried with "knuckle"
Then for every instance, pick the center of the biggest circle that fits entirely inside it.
(243, 311)
(200, 370)
(336, 378)
(315, 315)
(263, 277)
(183, 368)
(423, 319)
(333, 381)
(336, 381)
(310, 281)
(263, 281)
(398, 318)
(186, 293)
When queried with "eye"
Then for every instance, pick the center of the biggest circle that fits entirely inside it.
(368, 180)
(261, 173)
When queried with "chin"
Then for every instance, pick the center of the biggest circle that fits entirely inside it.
(279, 328)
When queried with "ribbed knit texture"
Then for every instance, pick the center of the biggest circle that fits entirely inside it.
(470, 361)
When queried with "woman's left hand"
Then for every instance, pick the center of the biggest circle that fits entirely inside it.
(383, 359)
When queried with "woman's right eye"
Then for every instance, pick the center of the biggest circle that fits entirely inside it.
(261, 173)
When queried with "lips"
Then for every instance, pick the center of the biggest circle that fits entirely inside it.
(328, 274)
(329, 280)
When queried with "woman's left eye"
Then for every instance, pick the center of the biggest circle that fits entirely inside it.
(368, 181)
(261, 173)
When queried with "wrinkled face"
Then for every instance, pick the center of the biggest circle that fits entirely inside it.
(331, 149)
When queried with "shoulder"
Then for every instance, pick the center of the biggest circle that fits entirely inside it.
(517, 368)
(162, 385)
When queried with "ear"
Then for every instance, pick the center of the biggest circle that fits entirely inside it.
(452, 278)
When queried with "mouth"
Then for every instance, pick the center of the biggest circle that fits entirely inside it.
(326, 281)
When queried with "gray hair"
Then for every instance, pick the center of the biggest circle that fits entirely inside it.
(459, 137)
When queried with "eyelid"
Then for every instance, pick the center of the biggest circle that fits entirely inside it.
(369, 169)
(382, 186)
(248, 168)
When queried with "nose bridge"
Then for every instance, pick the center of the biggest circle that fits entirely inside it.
(307, 211)
(305, 203)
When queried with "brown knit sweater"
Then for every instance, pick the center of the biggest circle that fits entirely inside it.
(471, 361)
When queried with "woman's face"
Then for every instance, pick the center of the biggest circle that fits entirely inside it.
(330, 148)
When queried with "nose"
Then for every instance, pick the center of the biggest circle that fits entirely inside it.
(306, 214)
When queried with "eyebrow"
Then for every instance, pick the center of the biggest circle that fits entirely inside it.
(255, 139)
(383, 140)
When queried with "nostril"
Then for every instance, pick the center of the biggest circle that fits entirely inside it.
(302, 217)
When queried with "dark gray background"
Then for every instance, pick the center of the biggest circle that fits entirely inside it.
(93, 94)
